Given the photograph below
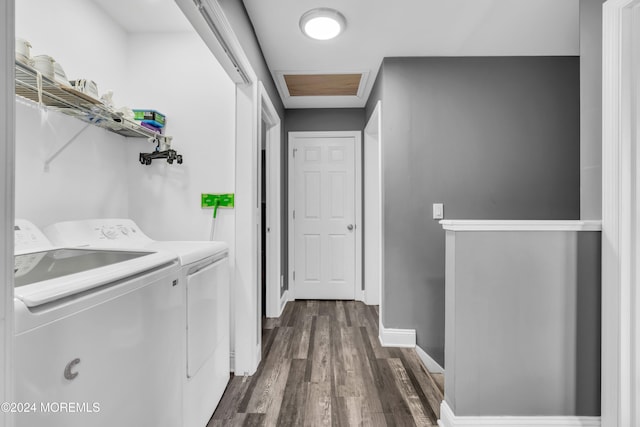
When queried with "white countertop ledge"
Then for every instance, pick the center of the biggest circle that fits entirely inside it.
(519, 225)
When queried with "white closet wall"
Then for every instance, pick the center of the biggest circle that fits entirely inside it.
(88, 179)
(184, 81)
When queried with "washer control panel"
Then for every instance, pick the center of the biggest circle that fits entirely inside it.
(119, 232)
(95, 232)
(28, 237)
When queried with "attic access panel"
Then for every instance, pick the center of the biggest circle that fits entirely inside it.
(323, 84)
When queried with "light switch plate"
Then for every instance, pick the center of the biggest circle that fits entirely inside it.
(438, 211)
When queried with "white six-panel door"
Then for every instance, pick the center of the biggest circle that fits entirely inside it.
(324, 223)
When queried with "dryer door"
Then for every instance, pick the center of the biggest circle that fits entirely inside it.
(206, 311)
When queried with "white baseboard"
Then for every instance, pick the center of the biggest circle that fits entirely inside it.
(397, 337)
(429, 363)
(449, 419)
(283, 301)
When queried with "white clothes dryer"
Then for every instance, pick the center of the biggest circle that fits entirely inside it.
(95, 334)
(204, 271)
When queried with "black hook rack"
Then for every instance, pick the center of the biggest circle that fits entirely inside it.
(169, 154)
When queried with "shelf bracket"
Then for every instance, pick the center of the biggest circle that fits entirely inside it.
(162, 142)
(64, 147)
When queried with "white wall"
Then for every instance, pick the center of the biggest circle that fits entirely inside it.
(78, 35)
(199, 105)
(88, 179)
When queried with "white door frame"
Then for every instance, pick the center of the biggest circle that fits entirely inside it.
(357, 135)
(7, 190)
(269, 115)
(620, 293)
(372, 230)
(246, 274)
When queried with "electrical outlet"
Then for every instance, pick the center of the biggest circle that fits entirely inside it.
(220, 200)
(438, 211)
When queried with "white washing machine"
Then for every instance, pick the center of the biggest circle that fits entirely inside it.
(205, 273)
(95, 335)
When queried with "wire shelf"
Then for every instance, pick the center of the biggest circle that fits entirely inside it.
(30, 84)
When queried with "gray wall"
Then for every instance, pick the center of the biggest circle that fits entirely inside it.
(318, 120)
(324, 119)
(523, 323)
(491, 138)
(591, 108)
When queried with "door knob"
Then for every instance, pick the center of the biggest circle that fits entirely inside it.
(350, 227)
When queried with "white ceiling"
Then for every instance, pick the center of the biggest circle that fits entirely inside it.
(146, 16)
(382, 28)
(377, 29)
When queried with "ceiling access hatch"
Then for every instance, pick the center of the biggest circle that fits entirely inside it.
(323, 84)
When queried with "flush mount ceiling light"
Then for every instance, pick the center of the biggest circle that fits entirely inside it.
(322, 23)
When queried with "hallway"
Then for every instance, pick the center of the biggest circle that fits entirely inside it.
(323, 365)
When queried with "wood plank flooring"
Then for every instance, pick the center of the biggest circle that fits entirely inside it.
(322, 365)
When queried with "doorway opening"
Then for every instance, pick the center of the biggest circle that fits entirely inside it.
(271, 293)
(263, 220)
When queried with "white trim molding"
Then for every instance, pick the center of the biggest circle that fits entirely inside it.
(283, 302)
(449, 419)
(620, 205)
(322, 101)
(246, 273)
(429, 362)
(372, 207)
(7, 195)
(519, 225)
(397, 337)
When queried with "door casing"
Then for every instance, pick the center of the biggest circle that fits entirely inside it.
(7, 193)
(621, 214)
(373, 213)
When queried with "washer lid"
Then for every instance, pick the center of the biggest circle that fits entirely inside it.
(42, 277)
(190, 251)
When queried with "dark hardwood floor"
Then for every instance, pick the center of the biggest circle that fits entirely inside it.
(323, 366)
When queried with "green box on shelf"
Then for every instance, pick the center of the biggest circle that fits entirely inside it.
(150, 116)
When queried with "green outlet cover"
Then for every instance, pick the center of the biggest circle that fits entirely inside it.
(221, 200)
